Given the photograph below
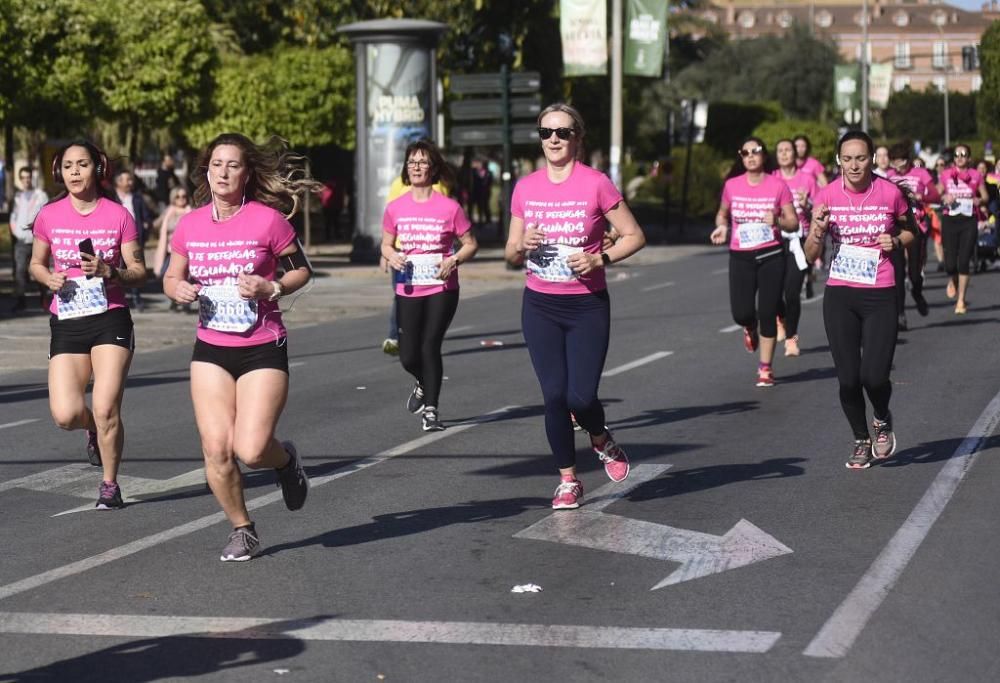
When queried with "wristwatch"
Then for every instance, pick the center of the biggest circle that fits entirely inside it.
(605, 258)
(277, 291)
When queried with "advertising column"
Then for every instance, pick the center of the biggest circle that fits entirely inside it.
(395, 106)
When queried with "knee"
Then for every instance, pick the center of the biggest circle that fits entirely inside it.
(107, 417)
(218, 453)
(578, 404)
(67, 419)
(251, 452)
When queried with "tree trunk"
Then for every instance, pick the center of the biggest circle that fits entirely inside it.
(8, 163)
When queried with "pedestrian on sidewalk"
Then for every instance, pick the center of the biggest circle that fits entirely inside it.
(27, 203)
(558, 219)
(88, 235)
(231, 248)
(419, 230)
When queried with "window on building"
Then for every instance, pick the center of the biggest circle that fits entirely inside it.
(940, 83)
(900, 82)
(824, 19)
(785, 19)
(902, 60)
(940, 59)
(977, 83)
(901, 18)
(857, 52)
(746, 19)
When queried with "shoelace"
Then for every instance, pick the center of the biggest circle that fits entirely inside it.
(243, 535)
(882, 430)
(108, 490)
(862, 448)
(568, 487)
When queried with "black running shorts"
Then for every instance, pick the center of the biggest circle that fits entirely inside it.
(239, 360)
(80, 335)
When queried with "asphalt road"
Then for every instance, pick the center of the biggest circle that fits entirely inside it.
(773, 561)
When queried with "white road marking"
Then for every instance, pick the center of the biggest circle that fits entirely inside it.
(390, 631)
(460, 328)
(296, 364)
(662, 285)
(731, 328)
(818, 297)
(29, 390)
(636, 363)
(51, 479)
(612, 492)
(19, 423)
(699, 554)
(848, 621)
(141, 544)
(131, 488)
(720, 271)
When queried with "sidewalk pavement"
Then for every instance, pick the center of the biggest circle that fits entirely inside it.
(340, 290)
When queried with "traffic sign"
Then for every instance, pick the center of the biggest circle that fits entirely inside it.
(492, 83)
(475, 110)
(492, 134)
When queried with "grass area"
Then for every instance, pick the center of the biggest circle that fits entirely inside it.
(4, 238)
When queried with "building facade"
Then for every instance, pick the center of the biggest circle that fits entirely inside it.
(927, 44)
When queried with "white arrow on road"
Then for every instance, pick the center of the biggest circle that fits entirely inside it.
(699, 554)
(131, 487)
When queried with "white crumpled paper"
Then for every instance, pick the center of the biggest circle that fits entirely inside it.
(526, 588)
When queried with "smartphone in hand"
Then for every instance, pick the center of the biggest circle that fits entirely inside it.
(87, 247)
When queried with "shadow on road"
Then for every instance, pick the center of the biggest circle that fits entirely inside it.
(171, 658)
(677, 482)
(659, 416)
(931, 452)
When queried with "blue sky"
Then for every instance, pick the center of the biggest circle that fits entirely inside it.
(971, 5)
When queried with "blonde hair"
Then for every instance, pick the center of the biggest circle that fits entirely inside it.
(579, 130)
(275, 175)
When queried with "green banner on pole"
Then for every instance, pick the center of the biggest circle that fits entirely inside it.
(583, 25)
(645, 37)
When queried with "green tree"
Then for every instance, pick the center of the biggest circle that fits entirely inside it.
(794, 69)
(302, 94)
(822, 137)
(988, 102)
(920, 116)
(160, 74)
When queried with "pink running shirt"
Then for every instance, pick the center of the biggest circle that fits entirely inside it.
(919, 183)
(218, 251)
(748, 205)
(960, 184)
(858, 218)
(812, 166)
(428, 227)
(109, 226)
(800, 182)
(572, 215)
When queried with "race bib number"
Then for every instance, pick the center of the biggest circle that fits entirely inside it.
(752, 235)
(221, 308)
(81, 297)
(422, 269)
(549, 263)
(855, 264)
(963, 207)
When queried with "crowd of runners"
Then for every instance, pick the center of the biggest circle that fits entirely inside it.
(235, 256)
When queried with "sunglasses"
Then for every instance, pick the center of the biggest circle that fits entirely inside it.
(561, 133)
(961, 155)
(747, 152)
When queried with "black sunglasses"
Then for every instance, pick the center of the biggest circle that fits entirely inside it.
(747, 152)
(561, 133)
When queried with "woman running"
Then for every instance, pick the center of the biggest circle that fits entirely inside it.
(868, 219)
(88, 236)
(425, 224)
(558, 219)
(962, 191)
(802, 186)
(226, 255)
(179, 207)
(808, 163)
(755, 208)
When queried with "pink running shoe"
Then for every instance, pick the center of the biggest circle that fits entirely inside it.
(568, 495)
(614, 459)
(751, 340)
(765, 377)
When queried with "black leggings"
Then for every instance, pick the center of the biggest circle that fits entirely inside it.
(790, 306)
(910, 262)
(861, 329)
(958, 237)
(567, 337)
(423, 322)
(755, 282)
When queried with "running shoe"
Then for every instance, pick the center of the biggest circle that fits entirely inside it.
(750, 339)
(415, 403)
(93, 449)
(431, 421)
(901, 324)
(792, 346)
(576, 425)
(861, 456)
(950, 289)
(921, 302)
(109, 496)
(765, 377)
(614, 458)
(390, 347)
(243, 544)
(782, 334)
(292, 479)
(569, 495)
(884, 444)
(961, 309)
